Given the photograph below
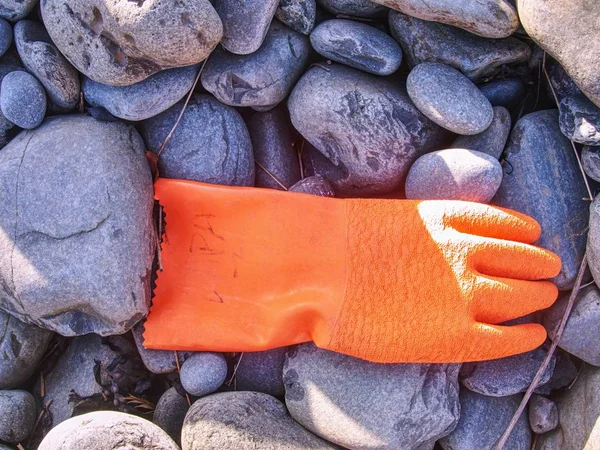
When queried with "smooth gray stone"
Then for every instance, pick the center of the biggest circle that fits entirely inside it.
(23, 99)
(543, 414)
(580, 120)
(203, 373)
(565, 372)
(84, 202)
(299, 15)
(9, 62)
(316, 164)
(144, 99)
(211, 143)
(508, 92)
(6, 36)
(474, 56)
(22, 347)
(580, 336)
(449, 98)
(42, 59)
(17, 415)
(543, 180)
(358, 404)
(355, 8)
(273, 141)
(493, 139)
(245, 421)
(156, 361)
(262, 79)
(261, 372)
(170, 412)
(107, 430)
(590, 159)
(357, 45)
(366, 125)
(483, 420)
(561, 83)
(14, 10)
(245, 23)
(315, 185)
(122, 43)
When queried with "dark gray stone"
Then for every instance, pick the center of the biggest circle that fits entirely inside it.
(508, 92)
(357, 45)
(299, 15)
(474, 56)
(580, 119)
(315, 185)
(358, 404)
(6, 36)
(125, 42)
(22, 347)
(493, 139)
(275, 153)
(170, 412)
(316, 164)
(565, 371)
(203, 373)
(261, 372)
(14, 10)
(142, 100)
(482, 421)
(245, 421)
(590, 159)
(543, 414)
(23, 99)
(42, 59)
(75, 196)
(580, 336)
(355, 8)
(211, 143)
(17, 415)
(449, 98)
(107, 430)
(454, 174)
(245, 23)
(156, 361)
(262, 79)
(366, 125)
(544, 182)
(9, 62)
(561, 83)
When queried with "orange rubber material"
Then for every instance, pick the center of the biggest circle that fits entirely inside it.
(248, 269)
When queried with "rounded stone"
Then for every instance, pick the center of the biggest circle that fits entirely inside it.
(203, 373)
(357, 45)
(314, 185)
(170, 412)
(491, 141)
(579, 119)
(543, 414)
(23, 99)
(449, 98)
(261, 371)
(6, 36)
(356, 8)
(14, 10)
(17, 415)
(590, 158)
(508, 92)
(299, 15)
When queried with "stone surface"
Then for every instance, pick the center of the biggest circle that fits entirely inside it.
(366, 125)
(508, 92)
(262, 79)
(565, 371)
(543, 414)
(14, 10)
(203, 373)
(76, 195)
(544, 182)
(9, 62)
(107, 430)
(474, 56)
(6, 36)
(355, 8)
(244, 421)
(261, 372)
(144, 99)
(211, 143)
(357, 45)
(245, 23)
(315, 185)
(449, 98)
(22, 347)
(22, 99)
(580, 119)
(42, 59)
(493, 139)
(299, 15)
(357, 404)
(561, 28)
(170, 412)
(561, 84)
(487, 18)
(121, 43)
(482, 421)
(580, 336)
(590, 159)
(17, 415)
(454, 174)
(275, 153)
(156, 361)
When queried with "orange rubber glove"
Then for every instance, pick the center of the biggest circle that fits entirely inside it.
(248, 269)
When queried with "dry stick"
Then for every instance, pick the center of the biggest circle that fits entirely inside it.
(179, 372)
(544, 365)
(300, 153)
(38, 420)
(235, 369)
(271, 175)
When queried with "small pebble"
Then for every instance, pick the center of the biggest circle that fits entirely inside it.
(299, 15)
(17, 415)
(315, 185)
(203, 373)
(543, 414)
(23, 99)
(508, 93)
(590, 158)
(261, 372)
(170, 412)
(355, 8)
(491, 141)
(579, 119)
(6, 36)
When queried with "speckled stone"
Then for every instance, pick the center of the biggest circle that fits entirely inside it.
(356, 8)
(14, 10)
(493, 139)
(6, 36)
(579, 119)
(170, 412)
(17, 415)
(23, 99)
(590, 159)
(543, 414)
(203, 373)
(299, 15)
(315, 185)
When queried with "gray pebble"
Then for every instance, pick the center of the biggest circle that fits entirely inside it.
(211, 143)
(50, 67)
(23, 99)
(17, 415)
(315, 185)
(355, 8)
(156, 361)
(590, 159)
(261, 372)
(203, 373)
(455, 174)
(9, 62)
(357, 45)
(170, 412)
(245, 23)
(561, 83)
(493, 139)
(262, 79)
(315, 163)
(580, 119)
(449, 98)
(565, 371)
(543, 414)
(299, 15)
(508, 93)
(474, 56)
(14, 10)
(6, 36)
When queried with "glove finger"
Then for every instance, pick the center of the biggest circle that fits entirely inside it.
(497, 341)
(500, 299)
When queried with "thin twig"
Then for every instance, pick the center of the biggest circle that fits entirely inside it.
(42, 385)
(300, 153)
(145, 406)
(187, 396)
(235, 369)
(544, 365)
(271, 175)
(159, 236)
(20, 447)
(576, 376)
(39, 420)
